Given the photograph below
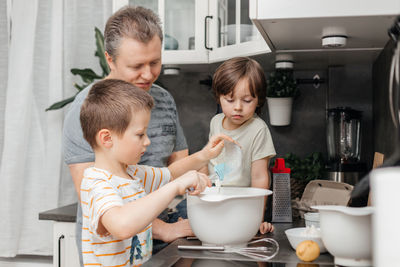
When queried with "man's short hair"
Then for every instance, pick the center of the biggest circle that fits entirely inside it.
(138, 23)
(110, 104)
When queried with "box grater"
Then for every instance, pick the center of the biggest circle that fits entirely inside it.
(281, 199)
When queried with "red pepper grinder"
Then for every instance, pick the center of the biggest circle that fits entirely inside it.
(281, 199)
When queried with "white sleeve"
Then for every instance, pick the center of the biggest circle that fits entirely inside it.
(262, 145)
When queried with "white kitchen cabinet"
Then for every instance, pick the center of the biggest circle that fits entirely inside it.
(290, 25)
(200, 31)
(65, 252)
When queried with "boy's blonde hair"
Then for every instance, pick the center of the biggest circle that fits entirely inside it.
(229, 73)
(110, 104)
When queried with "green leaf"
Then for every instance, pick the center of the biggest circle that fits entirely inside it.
(281, 83)
(87, 75)
(100, 52)
(61, 103)
(306, 169)
(80, 87)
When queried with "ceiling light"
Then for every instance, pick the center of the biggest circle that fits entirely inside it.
(334, 41)
(284, 64)
(284, 61)
(171, 70)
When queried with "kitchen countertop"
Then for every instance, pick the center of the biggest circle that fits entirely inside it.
(171, 256)
(68, 213)
(62, 214)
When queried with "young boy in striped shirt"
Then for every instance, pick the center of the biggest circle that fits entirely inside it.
(119, 198)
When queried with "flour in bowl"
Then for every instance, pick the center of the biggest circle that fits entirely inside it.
(311, 231)
(218, 185)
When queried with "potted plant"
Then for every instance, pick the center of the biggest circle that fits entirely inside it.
(88, 75)
(281, 90)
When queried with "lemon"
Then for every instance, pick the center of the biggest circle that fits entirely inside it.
(307, 250)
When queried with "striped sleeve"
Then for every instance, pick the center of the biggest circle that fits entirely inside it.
(152, 178)
(102, 196)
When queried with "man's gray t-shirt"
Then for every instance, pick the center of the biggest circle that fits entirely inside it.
(164, 131)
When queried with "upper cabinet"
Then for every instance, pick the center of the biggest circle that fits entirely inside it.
(232, 33)
(291, 25)
(201, 31)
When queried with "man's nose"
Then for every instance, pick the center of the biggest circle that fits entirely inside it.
(146, 73)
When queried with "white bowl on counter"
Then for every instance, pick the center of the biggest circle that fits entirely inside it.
(346, 233)
(230, 217)
(298, 235)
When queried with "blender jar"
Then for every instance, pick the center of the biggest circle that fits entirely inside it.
(343, 134)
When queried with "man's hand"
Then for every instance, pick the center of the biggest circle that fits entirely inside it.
(169, 232)
(177, 230)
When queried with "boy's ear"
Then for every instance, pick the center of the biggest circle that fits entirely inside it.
(104, 138)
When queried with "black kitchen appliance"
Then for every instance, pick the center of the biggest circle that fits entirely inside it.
(344, 145)
(361, 190)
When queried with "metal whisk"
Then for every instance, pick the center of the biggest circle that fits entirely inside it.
(260, 253)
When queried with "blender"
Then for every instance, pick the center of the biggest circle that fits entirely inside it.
(344, 141)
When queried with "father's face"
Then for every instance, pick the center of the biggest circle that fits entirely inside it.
(136, 62)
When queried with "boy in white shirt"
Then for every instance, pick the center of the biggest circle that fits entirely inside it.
(239, 86)
(119, 198)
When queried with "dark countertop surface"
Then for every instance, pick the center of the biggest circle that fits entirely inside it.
(62, 214)
(171, 256)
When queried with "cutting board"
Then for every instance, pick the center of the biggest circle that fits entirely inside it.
(378, 161)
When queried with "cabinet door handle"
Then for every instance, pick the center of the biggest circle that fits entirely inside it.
(206, 31)
(59, 249)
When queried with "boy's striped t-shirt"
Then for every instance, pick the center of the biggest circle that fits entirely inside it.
(100, 191)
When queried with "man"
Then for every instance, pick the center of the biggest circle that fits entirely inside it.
(133, 39)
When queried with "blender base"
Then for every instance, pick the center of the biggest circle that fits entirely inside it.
(349, 173)
(345, 177)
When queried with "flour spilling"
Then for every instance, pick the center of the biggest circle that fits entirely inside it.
(231, 167)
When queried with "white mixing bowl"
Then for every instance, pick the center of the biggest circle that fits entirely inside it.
(346, 233)
(297, 235)
(230, 217)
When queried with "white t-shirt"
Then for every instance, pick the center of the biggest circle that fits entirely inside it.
(255, 140)
(100, 191)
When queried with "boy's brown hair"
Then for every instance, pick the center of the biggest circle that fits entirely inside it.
(229, 73)
(138, 23)
(110, 104)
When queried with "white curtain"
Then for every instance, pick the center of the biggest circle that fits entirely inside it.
(40, 41)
